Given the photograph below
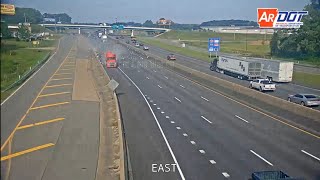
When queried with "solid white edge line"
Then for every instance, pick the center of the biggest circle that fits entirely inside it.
(225, 174)
(177, 99)
(32, 75)
(315, 157)
(204, 99)
(261, 158)
(159, 126)
(206, 119)
(242, 119)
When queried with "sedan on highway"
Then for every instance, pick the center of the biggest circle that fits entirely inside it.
(171, 57)
(304, 99)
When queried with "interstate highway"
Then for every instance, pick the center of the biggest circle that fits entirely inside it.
(282, 91)
(211, 137)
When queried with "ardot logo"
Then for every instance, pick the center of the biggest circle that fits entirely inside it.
(272, 18)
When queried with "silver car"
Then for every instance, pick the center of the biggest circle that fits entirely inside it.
(305, 99)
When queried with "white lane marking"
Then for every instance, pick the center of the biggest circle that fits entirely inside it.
(154, 104)
(166, 77)
(242, 119)
(160, 128)
(315, 157)
(225, 174)
(162, 112)
(192, 142)
(185, 134)
(32, 75)
(151, 101)
(182, 86)
(148, 78)
(261, 158)
(212, 162)
(206, 119)
(159, 86)
(178, 127)
(167, 117)
(172, 122)
(177, 99)
(158, 107)
(202, 151)
(204, 98)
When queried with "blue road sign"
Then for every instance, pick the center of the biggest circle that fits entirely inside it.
(115, 27)
(214, 44)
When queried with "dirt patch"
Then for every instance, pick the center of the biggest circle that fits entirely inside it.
(83, 88)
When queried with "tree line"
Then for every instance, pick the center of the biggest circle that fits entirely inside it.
(302, 43)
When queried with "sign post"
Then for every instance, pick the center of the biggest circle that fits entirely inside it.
(214, 45)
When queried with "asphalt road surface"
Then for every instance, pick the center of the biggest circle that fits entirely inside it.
(283, 89)
(46, 133)
(169, 119)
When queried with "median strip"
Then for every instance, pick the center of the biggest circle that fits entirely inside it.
(26, 151)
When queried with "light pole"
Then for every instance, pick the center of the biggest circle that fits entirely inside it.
(246, 40)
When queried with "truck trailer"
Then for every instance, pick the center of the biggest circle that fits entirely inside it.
(275, 70)
(111, 60)
(237, 67)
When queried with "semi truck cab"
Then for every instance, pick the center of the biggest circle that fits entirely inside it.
(111, 60)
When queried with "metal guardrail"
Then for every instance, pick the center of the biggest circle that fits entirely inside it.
(27, 74)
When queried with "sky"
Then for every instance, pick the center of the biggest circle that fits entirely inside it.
(179, 11)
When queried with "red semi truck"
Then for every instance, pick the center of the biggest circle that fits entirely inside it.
(111, 60)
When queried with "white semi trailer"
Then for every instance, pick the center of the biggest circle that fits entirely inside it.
(275, 70)
(238, 67)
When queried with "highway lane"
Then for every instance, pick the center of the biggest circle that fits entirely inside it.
(283, 89)
(222, 137)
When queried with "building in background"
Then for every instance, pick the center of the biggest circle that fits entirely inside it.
(164, 23)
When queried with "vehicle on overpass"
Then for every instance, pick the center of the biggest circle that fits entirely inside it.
(237, 67)
(111, 60)
(304, 99)
(171, 57)
(262, 85)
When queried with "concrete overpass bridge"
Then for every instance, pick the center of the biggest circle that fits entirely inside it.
(83, 26)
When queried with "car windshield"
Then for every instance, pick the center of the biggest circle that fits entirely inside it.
(310, 96)
(266, 82)
(84, 97)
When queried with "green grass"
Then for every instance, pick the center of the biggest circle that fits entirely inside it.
(172, 48)
(16, 60)
(310, 80)
(193, 35)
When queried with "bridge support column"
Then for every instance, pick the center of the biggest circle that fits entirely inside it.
(132, 33)
(79, 31)
(105, 31)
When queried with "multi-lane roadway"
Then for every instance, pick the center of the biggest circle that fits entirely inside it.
(171, 120)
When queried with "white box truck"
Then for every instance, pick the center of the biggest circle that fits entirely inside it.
(275, 70)
(237, 67)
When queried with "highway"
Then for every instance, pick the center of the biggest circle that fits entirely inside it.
(283, 89)
(50, 126)
(170, 119)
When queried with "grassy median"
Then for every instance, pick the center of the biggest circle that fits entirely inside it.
(306, 79)
(17, 57)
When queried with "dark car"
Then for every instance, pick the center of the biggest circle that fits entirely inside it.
(305, 99)
(171, 57)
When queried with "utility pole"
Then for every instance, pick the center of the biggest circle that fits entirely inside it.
(246, 41)
(25, 18)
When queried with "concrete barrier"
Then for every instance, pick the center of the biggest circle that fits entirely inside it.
(232, 89)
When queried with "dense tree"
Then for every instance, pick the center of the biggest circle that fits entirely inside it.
(148, 23)
(5, 33)
(303, 42)
(24, 14)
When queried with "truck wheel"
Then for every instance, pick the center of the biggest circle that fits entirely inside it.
(289, 99)
(241, 77)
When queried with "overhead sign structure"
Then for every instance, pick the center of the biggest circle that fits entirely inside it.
(115, 27)
(8, 9)
(214, 45)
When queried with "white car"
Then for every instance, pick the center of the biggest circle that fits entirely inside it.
(262, 85)
(145, 48)
(137, 45)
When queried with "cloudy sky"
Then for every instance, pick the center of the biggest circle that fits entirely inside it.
(180, 11)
